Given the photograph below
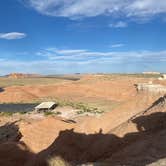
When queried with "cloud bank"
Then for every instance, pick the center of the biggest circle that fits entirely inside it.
(145, 9)
(58, 61)
(12, 35)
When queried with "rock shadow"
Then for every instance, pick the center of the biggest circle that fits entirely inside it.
(134, 149)
(78, 148)
(2, 90)
(12, 152)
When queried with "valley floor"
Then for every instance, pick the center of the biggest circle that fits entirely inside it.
(130, 130)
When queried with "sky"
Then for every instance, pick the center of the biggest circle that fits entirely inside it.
(79, 36)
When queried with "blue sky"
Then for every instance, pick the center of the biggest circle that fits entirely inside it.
(71, 36)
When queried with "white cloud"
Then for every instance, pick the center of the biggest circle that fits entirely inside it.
(119, 24)
(52, 62)
(66, 51)
(114, 57)
(12, 35)
(90, 8)
(117, 45)
(144, 8)
(70, 51)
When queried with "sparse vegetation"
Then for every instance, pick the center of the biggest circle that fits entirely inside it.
(22, 112)
(51, 113)
(89, 111)
(57, 113)
(6, 113)
(81, 106)
(57, 161)
(5, 82)
(136, 75)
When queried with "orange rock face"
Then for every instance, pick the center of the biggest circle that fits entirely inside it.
(21, 75)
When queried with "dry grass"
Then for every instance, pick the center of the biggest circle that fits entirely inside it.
(5, 82)
(57, 161)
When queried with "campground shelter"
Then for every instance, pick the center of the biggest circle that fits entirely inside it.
(45, 106)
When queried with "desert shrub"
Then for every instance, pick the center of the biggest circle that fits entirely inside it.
(82, 107)
(57, 161)
(85, 108)
(58, 113)
(22, 112)
(80, 112)
(48, 113)
(6, 113)
(51, 113)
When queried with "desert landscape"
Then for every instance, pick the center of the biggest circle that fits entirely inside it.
(82, 83)
(99, 119)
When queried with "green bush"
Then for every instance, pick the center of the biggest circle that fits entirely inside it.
(22, 112)
(48, 113)
(7, 113)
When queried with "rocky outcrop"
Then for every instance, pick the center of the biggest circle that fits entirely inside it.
(21, 75)
(149, 87)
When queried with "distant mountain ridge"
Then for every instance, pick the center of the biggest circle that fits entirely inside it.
(22, 75)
